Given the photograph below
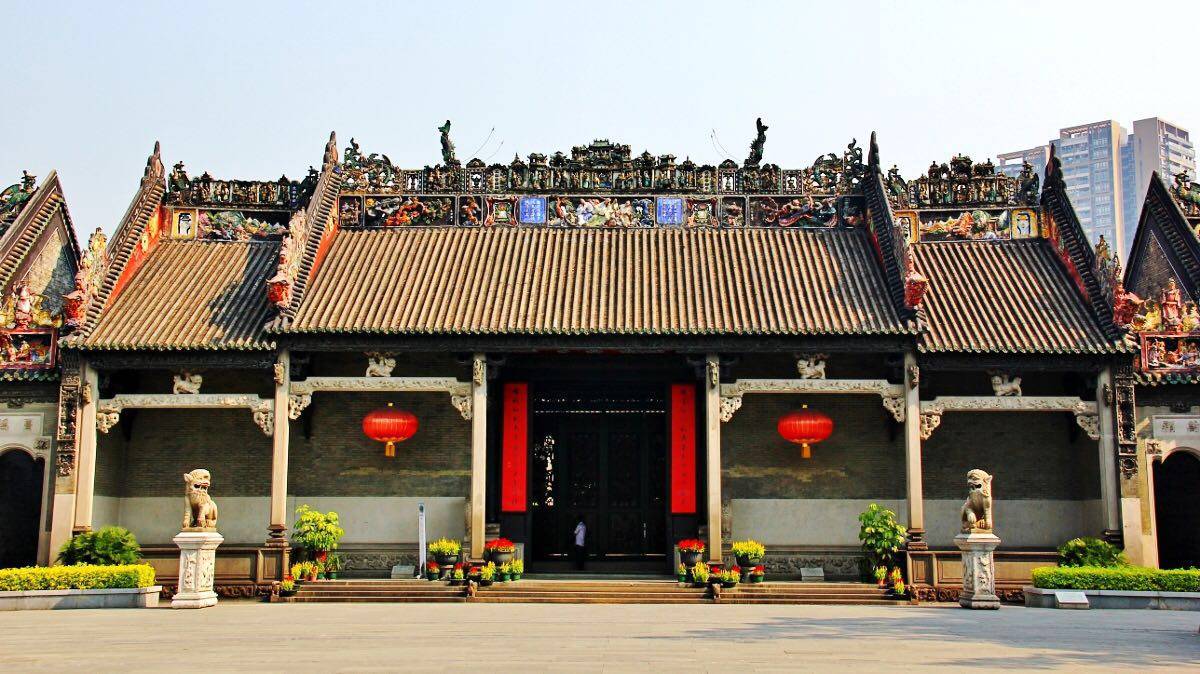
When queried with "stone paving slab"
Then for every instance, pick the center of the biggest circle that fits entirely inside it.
(245, 636)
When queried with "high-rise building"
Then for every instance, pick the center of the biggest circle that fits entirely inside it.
(1157, 145)
(1091, 162)
(1107, 170)
(1011, 163)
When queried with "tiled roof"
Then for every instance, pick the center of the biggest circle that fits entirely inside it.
(621, 282)
(1004, 297)
(29, 228)
(191, 295)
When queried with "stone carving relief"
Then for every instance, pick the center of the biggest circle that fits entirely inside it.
(186, 383)
(1006, 385)
(380, 364)
(812, 367)
(297, 403)
(478, 371)
(462, 403)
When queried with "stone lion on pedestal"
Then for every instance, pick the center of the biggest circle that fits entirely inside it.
(977, 510)
(201, 511)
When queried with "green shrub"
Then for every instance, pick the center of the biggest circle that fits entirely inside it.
(316, 531)
(80, 577)
(881, 535)
(1090, 552)
(107, 546)
(1123, 578)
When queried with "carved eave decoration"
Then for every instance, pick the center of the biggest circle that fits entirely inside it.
(891, 395)
(300, 393)
(1086, 412)
(108, 411)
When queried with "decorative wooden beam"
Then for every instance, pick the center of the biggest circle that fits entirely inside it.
(300, 395)
(1086, 412)
(108, 411)
(891, 394)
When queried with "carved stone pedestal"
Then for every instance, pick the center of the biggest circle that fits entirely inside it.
(197, 567)
(979, 572)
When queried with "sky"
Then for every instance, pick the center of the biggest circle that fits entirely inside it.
(252, 90)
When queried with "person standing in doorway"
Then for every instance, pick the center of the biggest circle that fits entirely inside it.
(580, 543)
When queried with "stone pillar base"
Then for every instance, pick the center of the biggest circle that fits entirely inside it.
(197, 568)
(979, 571)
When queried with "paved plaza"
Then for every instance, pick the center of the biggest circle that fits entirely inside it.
(563, 638)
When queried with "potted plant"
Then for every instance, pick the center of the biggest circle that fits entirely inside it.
(445, 551)
(757, 574)
(730, 577)
(499, 550)
(896, 576)
(457, 577)
(748, 553)
(690, 550)
(304, 571)
(475, 573)
(881, 535)
(487, 574)
(432, 570)
(504, 572)
(518, 568)
(317, 532)
(714, 573)
(681, 573)
(287, 587)
(881, 576)
(899, 591)
(332, 565)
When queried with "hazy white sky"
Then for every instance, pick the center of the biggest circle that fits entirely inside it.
(251, 90)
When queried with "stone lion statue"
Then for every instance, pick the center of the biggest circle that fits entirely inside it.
(201, 511)
(977, 510)
(186, 383)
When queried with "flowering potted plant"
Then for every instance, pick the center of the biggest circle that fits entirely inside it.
(475, 573)
(432, 570)
(445, 551)
(317, 532)
(457, 577)
(757, 574)
(899, 591)
(504, 572)
(690, 550)
(730, 577)
(714, 573)
(748, 552)
(487, 574)
(881, 576)
(304, 571)
(499, 550)
(517, 568)
(896, 576)
(681, 573)
(287, 587)
(700, 573)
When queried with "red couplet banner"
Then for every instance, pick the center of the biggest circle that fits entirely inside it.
(515, 447)
(683, 449)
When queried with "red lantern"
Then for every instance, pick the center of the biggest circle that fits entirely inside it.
(805, 427)
(390, 425)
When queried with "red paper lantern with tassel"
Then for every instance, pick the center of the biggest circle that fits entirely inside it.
(389, 425)
(805, 427)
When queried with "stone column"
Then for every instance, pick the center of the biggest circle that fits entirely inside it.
(1107, 446)
(478, 502)
(279, 453)
(85, 427)
(712, 444)
(979, 570)
(912, 454)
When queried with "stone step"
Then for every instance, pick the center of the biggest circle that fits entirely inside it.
(491, 599)
(391, 598)
(725, 599)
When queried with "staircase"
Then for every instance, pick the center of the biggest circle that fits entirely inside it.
(375, 591)
(859, 594)
(592, 592)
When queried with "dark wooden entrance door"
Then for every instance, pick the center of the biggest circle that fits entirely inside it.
(611, 469)
(20, 508)
(1177, 510)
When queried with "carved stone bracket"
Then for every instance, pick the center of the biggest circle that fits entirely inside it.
(891, 394)
(300, 392)
(108, 411)
(1086, 414)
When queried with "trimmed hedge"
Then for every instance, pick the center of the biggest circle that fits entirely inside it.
(80, 577)
(1121, 578)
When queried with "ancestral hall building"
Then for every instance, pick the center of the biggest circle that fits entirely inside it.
(595, 334)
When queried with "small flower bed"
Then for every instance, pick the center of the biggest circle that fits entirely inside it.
(731, 577)
(500, 545)
(1122, 578)
(691, 545)
(81, 577)
(305, 571)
